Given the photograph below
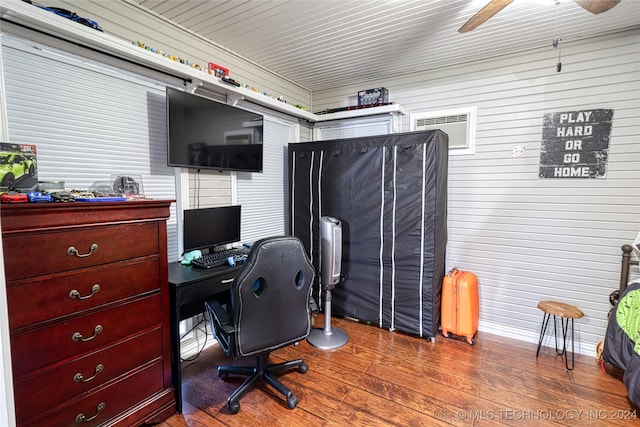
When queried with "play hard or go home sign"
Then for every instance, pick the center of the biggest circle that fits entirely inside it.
(575, 144)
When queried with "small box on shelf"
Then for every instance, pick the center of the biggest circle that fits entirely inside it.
(377, 96)
(218, 70)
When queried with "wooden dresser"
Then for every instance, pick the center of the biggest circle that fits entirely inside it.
(88, 302)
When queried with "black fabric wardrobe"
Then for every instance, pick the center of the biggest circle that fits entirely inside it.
(390, 192)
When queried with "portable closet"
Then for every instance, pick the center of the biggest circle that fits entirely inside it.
(390, 192)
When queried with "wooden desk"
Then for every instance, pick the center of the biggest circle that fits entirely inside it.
(188, 288)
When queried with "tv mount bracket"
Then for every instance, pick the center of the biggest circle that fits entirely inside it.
(192, 86)
(233, 98)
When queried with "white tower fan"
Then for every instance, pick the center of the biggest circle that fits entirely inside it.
(330, 260)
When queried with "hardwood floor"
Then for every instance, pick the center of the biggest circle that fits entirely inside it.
(391, 379)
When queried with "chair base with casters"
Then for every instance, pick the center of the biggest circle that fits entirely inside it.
(262, 371)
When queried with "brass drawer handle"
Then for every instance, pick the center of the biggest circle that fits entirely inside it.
(79, 378)
(75, 294)
(81, 418)
(78, 336)
(73, 251)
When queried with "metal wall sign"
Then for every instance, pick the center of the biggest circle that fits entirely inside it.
(575, 144)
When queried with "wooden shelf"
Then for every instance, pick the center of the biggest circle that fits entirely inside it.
(362, 112)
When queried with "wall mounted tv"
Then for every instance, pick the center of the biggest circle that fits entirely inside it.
(206, 134)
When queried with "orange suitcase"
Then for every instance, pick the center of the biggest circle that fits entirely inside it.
(459, 310)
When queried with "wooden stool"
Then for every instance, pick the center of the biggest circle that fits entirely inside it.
(566, 312)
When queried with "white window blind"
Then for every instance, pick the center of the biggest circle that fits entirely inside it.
(366, 126)
(88, 121)
(264, 196)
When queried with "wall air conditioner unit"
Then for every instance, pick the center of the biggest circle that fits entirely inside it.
(460, 125)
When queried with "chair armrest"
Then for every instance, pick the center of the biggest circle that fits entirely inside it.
(221, 317)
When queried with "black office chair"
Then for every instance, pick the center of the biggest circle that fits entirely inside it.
(267, 308)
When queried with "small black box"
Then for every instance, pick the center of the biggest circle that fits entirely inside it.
(375, 96)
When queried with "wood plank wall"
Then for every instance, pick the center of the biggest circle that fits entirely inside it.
(527, 238)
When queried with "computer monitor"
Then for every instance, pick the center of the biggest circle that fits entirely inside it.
(208, 228)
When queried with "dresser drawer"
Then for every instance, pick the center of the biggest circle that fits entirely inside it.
(33, 254)
(37, 300)
(34, 396)
(96, 408)
(44, 346)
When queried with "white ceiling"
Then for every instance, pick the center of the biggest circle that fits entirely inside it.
(321, 44)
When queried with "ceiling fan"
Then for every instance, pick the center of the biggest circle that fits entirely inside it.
(495, 6)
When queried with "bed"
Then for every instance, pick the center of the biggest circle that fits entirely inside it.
(622, 339)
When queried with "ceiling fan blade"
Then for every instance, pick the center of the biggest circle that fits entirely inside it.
(597, 6)
(493, 7)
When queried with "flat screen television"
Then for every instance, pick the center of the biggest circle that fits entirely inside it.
(208, 228)
(206, 134)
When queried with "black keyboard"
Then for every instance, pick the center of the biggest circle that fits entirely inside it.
(216, 259)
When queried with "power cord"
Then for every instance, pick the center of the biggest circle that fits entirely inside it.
(195, 328)
(196, 195)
